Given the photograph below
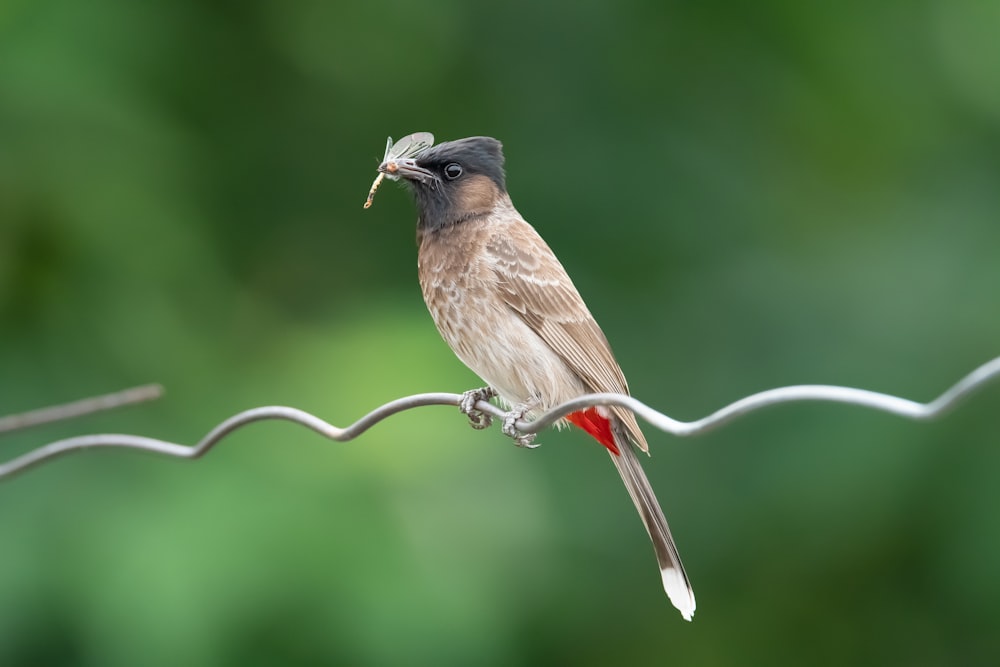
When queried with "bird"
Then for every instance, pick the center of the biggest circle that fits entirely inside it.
(506, 307)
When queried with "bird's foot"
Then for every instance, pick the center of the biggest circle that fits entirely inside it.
(477, 418)
(510, 430)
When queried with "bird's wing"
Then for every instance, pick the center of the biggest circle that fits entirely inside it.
(535, 285)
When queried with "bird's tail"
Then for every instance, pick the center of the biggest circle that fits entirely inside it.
(675, 581)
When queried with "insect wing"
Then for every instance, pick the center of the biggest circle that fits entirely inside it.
(388, 148)
(409, 146)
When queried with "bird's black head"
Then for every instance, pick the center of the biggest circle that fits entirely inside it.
(453, 181)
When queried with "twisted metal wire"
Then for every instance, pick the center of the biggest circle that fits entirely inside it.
(895, 405)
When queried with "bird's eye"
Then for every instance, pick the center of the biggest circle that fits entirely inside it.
(452, 171)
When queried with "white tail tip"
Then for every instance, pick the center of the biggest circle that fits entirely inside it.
(677, 590)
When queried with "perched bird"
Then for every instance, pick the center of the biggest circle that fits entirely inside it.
(507, 308)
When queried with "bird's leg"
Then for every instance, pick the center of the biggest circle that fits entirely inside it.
(477, 418)
(509, 426)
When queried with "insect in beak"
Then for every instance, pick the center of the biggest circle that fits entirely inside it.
(408, 147)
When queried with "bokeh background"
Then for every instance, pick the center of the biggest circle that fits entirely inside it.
(749, 195)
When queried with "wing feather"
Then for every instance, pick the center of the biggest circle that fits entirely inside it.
(533, 283)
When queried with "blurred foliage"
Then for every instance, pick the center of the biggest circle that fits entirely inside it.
(748, 195)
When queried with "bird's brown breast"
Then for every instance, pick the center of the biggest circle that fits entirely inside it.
(452, 275)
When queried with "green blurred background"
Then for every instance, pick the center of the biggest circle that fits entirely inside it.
(748, 195)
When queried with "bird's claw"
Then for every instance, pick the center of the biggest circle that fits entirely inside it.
(510, 429)
(477, 418)
(480, 420)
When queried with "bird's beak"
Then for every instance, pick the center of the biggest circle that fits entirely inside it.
(406, 168)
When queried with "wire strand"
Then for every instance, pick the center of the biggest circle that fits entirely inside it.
(49, 415)
(895, 405)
